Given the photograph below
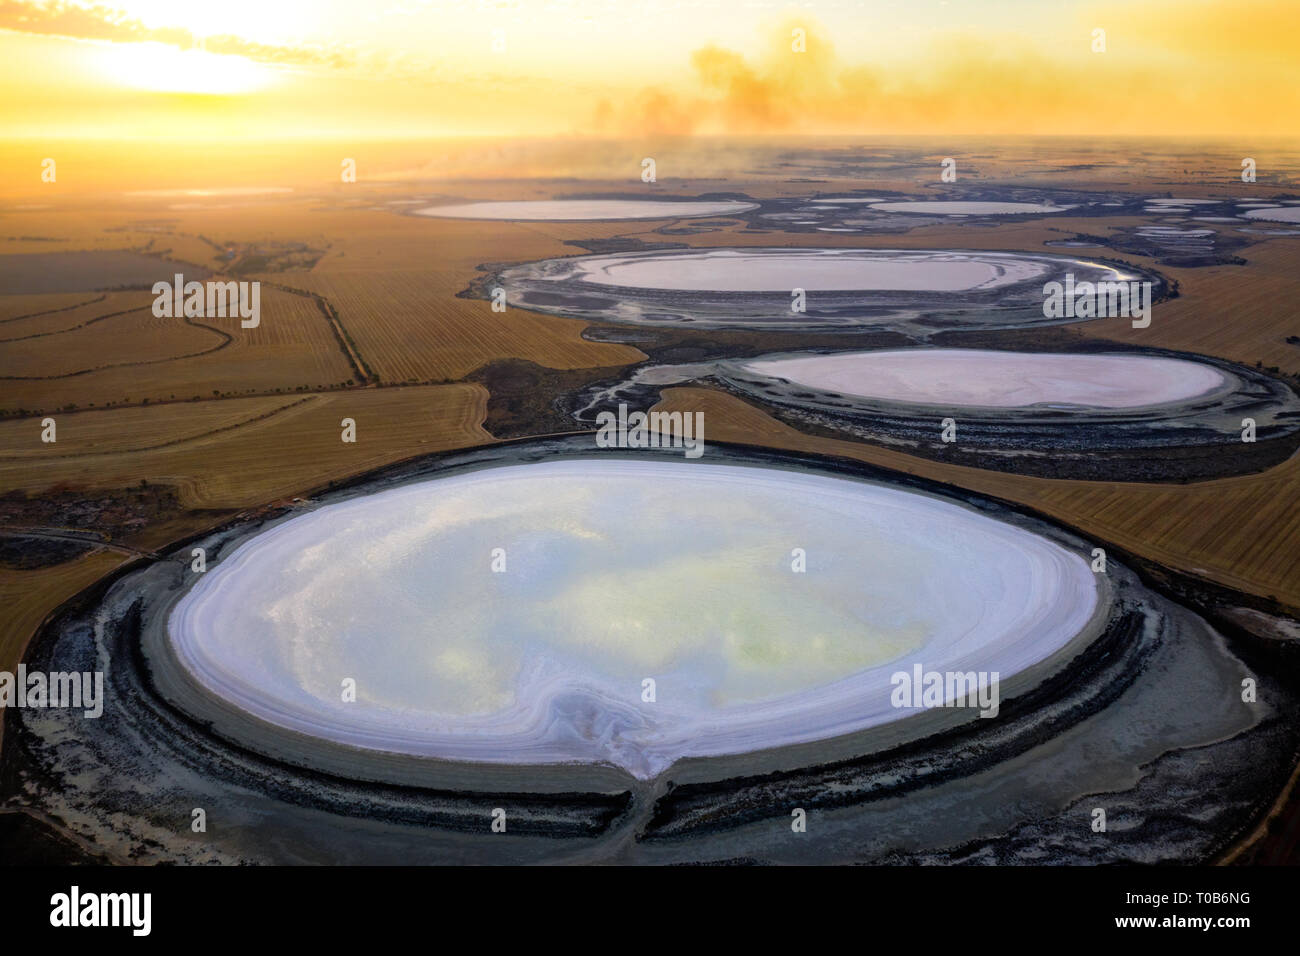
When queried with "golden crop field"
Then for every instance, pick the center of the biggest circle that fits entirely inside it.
(188, 249)
(123, 359)
(130, 337)
(409, 326)
(1243, 313)
(238, 453)
(113, 431)
(85, 309)
(20, 308)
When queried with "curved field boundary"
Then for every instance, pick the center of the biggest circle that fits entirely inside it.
(261, 416)
(226, 339)
(66, 308)
(72, 328)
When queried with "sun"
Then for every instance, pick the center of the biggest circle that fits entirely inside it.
(166, 69)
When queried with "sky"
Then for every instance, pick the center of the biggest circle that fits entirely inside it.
(412, 69)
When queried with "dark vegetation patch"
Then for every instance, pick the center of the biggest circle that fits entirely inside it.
(112, 515)
(20, 552)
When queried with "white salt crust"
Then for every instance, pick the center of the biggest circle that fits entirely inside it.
(767, 270)
(986, 378)
(618, 571)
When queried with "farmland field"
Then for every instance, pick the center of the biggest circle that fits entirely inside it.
(183, 395)
(378, 360)
(244, 451)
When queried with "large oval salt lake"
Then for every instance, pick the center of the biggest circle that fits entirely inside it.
(611, 572)
(988, 378)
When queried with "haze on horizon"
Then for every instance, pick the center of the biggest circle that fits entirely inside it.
(299, 69)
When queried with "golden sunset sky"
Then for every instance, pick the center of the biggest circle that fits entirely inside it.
(226, 71)
(418, 68)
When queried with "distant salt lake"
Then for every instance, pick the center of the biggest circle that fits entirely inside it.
(617, 571)
(759, 287)
(986, 378)
(959, 208)
(561, 210)
(1275, 214)
(768, 270)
